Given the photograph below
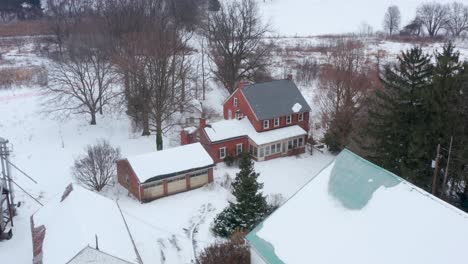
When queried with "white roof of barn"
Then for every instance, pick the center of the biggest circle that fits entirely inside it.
(170, 161)
(72, 223)
(357, 212)
(228, 129)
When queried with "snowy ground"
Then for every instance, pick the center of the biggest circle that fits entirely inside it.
(319, 17)
(166, 230)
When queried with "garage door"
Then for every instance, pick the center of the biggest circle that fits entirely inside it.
(177, 184)
(154, 191)
(198, 181)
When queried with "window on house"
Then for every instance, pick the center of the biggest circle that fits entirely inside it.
(295, 143)
(301, 142)
(273, 149)
(267, 151)
(289, 119)
(262, 152)
(301, 117)
(239, 149)
(255, 153)
(251, 150)
(276, 122)
(290, 144)
(235, 102)
(239, 115)
(278, 147)
(266, 124)
(222, 152)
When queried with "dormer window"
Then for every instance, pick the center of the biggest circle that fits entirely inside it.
(266, 124)
(289, 119)
(276, 122)
(235, 102)
(301, 117)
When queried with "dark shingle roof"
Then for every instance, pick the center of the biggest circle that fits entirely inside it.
(274, 99)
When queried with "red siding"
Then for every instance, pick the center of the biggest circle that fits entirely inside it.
(38, 235)
(133, 184)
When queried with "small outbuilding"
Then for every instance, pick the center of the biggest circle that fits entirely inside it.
(162, 173)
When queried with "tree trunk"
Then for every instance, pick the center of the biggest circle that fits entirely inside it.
(145, 122)
(159, 139)
(93, 118)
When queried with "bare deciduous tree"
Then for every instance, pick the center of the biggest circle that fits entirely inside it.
(392, 20)
(235, 37)
(81, 80)
(344, 82)
(97, 168)
(433, 17)
(457, 21)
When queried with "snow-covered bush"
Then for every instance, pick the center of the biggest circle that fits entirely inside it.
(231, 252)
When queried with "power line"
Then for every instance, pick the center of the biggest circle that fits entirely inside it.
(24, 173)
(26, 192)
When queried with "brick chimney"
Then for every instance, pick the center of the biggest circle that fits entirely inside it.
(290, 77)
(202, 121)
(184, 137)
(241, 85)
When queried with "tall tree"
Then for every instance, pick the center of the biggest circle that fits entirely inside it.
(344, 83)
(250, 207)
(444, 104)
(392, 20)
(235, 38)
(457, 22)
(396, 113)
(433, 17)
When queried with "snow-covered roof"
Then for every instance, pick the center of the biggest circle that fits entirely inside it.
(227, 129)
(73, 220)
(169, 161)
(357, 212)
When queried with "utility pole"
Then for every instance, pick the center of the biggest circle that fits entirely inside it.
(436, 168)
(447, 169)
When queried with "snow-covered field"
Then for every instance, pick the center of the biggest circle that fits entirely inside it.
(167, 230)
(319, 17)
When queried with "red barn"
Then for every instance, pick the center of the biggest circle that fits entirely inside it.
(269, 120)
(162, 173)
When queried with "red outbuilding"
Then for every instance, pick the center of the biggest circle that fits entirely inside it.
(162, 173)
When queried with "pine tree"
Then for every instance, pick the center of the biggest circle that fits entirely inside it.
(445, 103)
(250, 207)
(396, 114)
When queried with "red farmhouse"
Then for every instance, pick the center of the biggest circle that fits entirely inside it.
(269, 120)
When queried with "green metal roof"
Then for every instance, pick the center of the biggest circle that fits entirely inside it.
(353, 180)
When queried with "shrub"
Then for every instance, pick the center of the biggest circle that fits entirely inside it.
(231, 252)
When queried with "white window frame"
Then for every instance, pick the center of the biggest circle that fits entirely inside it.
(222, 153)
(300, 117)
(273, 149)
(276, 122)
(267, 151)
(241, 148)
(266, 124)
(261, 152)
(289, 119)
(236, 102)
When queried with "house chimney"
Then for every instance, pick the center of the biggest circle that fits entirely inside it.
(184, 137)
(240, 85)
(202, 121)
(290, 77)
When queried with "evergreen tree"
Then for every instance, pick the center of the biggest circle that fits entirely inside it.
(250, 207)
(445, 104)
(396, 114)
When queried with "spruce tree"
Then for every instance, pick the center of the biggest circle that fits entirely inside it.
(250, 207)
(396, 116)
